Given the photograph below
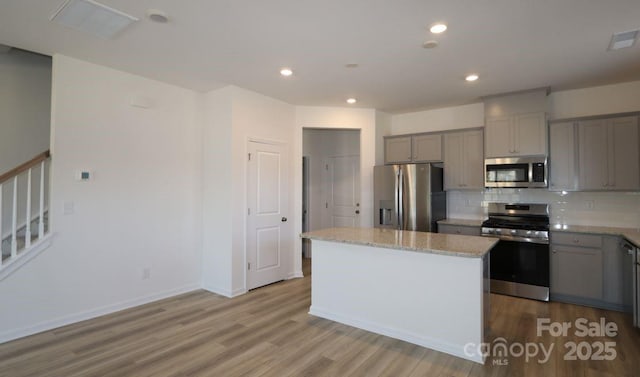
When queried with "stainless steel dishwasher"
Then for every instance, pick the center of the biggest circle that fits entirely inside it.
(636, 288)
(635, 252)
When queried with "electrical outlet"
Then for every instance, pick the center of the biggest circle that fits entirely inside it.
(68, 208)
(146, 273)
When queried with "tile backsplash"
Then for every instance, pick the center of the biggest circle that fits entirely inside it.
(615, 209)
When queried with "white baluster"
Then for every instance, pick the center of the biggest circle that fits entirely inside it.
(27, 218)
(41, 214)
(1, 238)
(14, 218)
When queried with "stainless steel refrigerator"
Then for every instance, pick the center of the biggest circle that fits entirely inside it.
(409, 197)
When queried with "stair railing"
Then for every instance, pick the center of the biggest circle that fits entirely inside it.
(11, 178)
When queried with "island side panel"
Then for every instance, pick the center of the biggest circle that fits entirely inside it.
(432, 300)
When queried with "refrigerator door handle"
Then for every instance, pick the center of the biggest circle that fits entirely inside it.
(399, 187)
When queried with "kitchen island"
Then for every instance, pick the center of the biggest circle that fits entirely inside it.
(428, 289)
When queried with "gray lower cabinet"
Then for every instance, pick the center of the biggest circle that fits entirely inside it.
(618, 274)
(576, 272)
(591, 270)
(459, 229)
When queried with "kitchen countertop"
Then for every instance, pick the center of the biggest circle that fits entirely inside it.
(461, 222)
(422, 242)
(631, 234)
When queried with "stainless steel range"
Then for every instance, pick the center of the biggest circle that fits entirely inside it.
(519, 263)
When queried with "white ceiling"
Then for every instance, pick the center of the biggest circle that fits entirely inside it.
(512, 44)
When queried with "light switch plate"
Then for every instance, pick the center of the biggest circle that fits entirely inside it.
(84, 175)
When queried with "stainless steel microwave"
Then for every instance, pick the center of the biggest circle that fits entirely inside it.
(517, 172)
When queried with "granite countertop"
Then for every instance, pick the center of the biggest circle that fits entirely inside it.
(461, 222)
(423, 242)
(631, 234)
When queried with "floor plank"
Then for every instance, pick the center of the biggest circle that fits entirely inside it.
(267, 332)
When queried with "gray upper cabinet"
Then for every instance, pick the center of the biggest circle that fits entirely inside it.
(608, 154)
(562, 156)
(463, 160)
(413, 148)
(427, 147)
(397, 150)
(595, 155)
(516, 135)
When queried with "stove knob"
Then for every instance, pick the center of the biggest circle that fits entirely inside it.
(498, 231)
(513, 231)
(528, 232)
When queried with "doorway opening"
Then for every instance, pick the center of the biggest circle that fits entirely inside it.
(331, 180)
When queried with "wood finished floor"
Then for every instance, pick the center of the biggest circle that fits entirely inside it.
(268, 332)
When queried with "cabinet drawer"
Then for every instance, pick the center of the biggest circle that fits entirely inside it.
(576, 239)
(459, 229)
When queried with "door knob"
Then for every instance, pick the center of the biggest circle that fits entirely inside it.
(284, 219)
(357, 212)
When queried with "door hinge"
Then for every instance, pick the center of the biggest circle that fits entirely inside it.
(249, 156)
(326, 205)
(248, 266)
(248, 211)
(326, 167)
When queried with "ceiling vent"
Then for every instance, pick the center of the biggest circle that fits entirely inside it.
(93, 18)
(623, 40)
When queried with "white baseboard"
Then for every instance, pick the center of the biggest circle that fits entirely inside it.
(427, 342)
(83, 316)
(295, 275)
(224, 292)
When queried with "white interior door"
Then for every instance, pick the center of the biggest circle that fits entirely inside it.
(343, 201)
(267, 214)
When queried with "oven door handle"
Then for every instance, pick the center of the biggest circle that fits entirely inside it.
(518, 239)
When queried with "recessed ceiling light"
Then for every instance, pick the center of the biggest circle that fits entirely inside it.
(438, 28)
(351, 101)
(286, 72)
(623, 40)
(158, 16)
(472, 77)
(92, 17)
(430, 44)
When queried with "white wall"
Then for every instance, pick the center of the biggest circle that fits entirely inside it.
(319, 145)
(607, 99)
(233, 117)
(140, 210)
(383, 128)
(446, 118)
(217, 191)
(25, 107)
